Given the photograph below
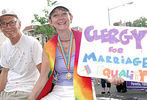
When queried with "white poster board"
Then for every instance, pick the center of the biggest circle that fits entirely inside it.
(114, 51)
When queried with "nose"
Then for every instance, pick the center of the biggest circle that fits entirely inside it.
(60, 16)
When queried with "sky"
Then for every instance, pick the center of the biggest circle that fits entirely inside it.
(85, 12)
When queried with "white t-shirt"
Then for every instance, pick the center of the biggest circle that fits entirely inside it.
(21, 59)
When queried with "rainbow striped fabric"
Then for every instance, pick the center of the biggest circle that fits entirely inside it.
(82, 85)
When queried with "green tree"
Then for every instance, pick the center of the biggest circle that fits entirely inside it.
(141, 22)
(43, 27)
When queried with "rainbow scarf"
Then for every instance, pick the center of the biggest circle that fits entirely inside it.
(82, 85)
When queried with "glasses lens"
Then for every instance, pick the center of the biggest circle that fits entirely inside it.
(3, 24)
(12, 23)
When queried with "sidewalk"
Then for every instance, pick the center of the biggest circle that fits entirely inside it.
(131, 94)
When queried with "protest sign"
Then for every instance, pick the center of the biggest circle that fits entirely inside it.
(106, 52)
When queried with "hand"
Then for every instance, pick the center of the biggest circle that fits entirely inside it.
(31, 98)
(116, 80)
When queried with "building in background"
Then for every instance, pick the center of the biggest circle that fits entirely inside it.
(120, 23)
(30, 31)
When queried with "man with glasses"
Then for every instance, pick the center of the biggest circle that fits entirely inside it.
(20, 57)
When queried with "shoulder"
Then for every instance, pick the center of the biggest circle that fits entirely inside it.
(53, 40)
(30, 41)
(29, 38)
(5, 47)
(5, 43)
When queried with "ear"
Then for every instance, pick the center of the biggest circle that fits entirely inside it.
(19, 24)
(71, 17)
(50, 22)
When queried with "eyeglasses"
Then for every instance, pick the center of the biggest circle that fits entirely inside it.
(5, 24)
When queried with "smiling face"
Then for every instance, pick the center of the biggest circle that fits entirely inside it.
(10, 26)
(60, 19)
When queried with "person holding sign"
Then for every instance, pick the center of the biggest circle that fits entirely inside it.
(61, 55)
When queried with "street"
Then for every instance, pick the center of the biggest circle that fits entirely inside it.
(131, 94)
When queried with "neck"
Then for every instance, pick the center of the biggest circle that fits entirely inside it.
(65, 40)
(64, 35)
(14, 40)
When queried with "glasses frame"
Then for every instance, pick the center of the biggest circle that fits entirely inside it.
(10, 23)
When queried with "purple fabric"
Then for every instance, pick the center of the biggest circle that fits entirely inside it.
(61, 69)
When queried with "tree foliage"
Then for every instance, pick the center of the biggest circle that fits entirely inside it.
(43, 26)
(141, 22)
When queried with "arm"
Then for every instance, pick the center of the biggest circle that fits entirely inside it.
(37, 54)
(115, 80)
(96, 80)
(45, 68)
(3, 78)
